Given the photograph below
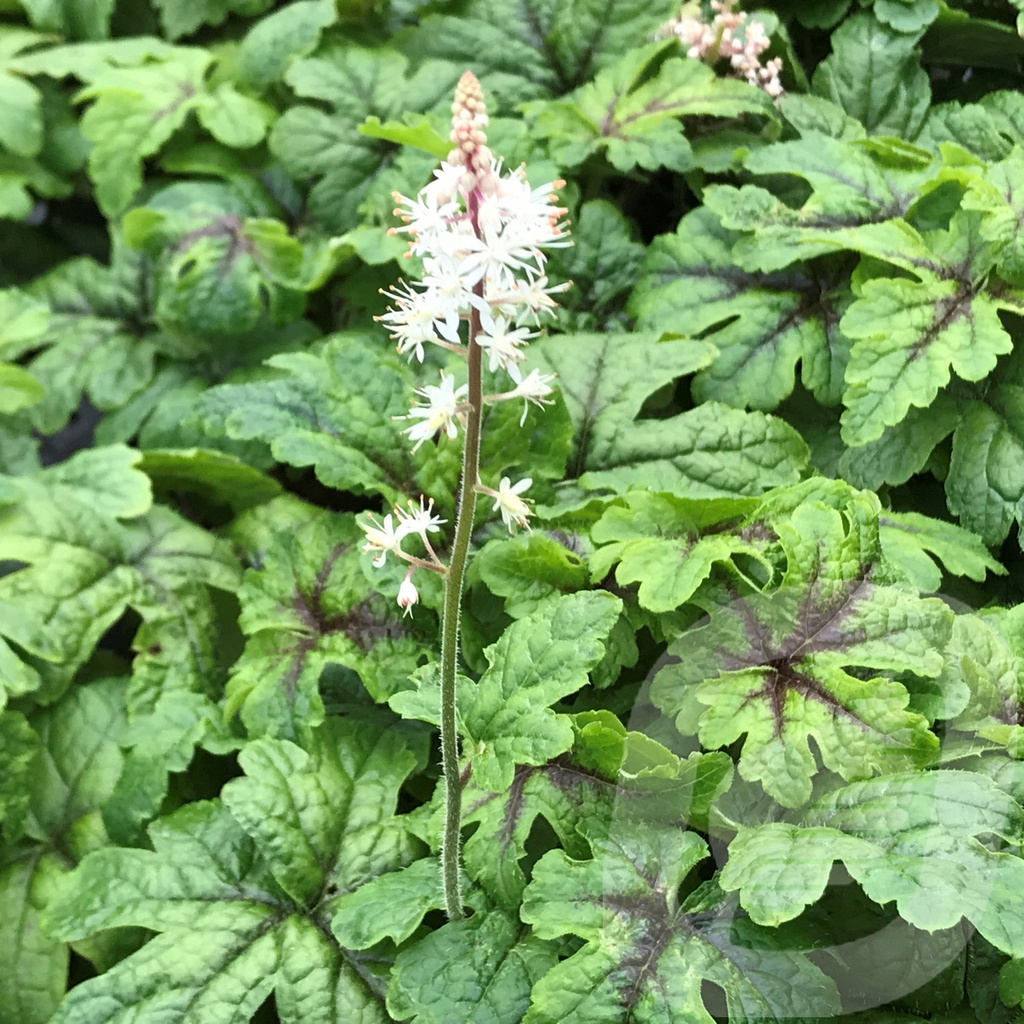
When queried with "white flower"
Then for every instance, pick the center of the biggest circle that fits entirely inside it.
(439, 413)
(408, 595)
(527, 301)
(502, 342)
(535, 388)
(514, 511)
(419, 520)
(428, 215)
(419, 318)
(381, 537)
(533, 211)
(444, 277)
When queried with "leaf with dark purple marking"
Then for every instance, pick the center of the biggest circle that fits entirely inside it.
(645, 956)
(849, 185)
(562, 792)
(630, 113)
(307, 606)
(816, 659)
(670, 545)
(911, 333)
(611, 778)
(763, 324)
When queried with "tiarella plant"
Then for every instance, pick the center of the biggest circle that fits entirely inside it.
(647, 650)
(480, 233)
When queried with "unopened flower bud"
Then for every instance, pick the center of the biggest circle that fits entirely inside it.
(408, 595)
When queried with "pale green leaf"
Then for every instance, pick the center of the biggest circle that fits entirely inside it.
(478, 971)
(415, 130)
(78, 766)
(104, 478)
(82, 568)
(136, 110)
(910, 334)
(961, 552)
(18, 389)
(781, 869)
(529, 570)
(233, 118)
(21, 121)
(22, 320)
(669, 545)
(506, 717)
(909, 838)
(998, 197)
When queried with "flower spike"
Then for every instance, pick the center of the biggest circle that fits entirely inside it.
(481, 232)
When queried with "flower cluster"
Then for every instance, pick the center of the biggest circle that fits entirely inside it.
(480, 232)
(730, 34)
(385, 538)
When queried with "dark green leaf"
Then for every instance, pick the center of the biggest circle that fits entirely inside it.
(708, 452)
(327, 148)
(874, 74)
(182, 17)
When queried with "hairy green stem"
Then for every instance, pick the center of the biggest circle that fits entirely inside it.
(450, 847)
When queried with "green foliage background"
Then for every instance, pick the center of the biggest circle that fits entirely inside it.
(743, 717)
